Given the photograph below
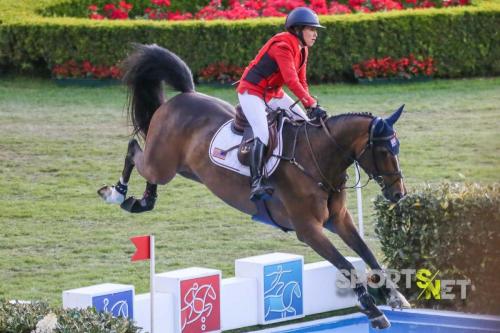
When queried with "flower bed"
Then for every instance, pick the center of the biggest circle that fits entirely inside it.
(244, 9)
(85, 74)
(220, 73)
(394, 70)
(36, 33)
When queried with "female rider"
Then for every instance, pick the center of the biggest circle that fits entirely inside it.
(281, 61)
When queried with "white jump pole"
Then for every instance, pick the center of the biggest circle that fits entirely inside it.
(361, 227)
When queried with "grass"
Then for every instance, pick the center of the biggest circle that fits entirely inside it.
(59, 145)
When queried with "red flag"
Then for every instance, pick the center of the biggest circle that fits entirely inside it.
(143, 252)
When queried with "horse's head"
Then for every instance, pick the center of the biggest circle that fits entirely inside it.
(379, 158)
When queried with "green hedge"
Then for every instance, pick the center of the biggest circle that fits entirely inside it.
(23, 318)
(451, 228)
(464, 41)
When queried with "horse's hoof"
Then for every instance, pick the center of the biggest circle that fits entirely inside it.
(381, 322)
(397, 300)
(133, 205)
(110, 195)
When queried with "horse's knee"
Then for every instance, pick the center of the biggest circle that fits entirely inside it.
(305, 236)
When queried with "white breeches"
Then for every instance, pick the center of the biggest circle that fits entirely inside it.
(254, 109)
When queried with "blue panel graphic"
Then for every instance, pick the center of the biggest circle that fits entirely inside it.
(119, 304)
(283, 290)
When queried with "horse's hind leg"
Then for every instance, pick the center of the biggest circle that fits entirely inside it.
(148, 200)
(117, 193)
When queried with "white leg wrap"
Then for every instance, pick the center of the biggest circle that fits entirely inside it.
(111, 195)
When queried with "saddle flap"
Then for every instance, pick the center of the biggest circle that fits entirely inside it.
(223, 150)
(241, 126)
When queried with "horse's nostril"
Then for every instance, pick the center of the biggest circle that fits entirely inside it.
(398, 196)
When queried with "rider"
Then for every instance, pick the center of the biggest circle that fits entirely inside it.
(281, 61)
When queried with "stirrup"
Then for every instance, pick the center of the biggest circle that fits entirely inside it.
(260, 191)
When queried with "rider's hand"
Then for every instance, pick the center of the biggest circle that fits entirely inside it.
(316, 112)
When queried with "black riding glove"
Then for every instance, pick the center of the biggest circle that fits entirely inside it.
(316, 113)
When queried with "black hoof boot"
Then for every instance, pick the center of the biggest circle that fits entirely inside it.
(367, 306)
(146, 203)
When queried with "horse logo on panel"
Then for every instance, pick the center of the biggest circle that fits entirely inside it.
(119, 309)
(119, 304)
(283, 291)
(200, 305)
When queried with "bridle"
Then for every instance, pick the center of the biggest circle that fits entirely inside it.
(373, 141)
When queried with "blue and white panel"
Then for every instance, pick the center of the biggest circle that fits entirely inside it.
(283, 291)
(110, 297)
(119, 304)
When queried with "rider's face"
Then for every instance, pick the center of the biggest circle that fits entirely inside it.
(310, 34)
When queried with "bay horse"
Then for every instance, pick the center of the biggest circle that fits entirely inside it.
(309, 192)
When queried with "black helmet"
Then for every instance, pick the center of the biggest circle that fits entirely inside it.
(302, 16)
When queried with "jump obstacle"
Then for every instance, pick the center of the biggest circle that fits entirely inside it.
(266, 289)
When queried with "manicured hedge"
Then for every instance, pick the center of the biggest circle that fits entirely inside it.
(453, 228)
(464, 41)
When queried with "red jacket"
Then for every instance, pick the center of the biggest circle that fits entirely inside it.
(280, 61)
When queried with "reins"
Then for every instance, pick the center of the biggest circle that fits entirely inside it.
(325, 184)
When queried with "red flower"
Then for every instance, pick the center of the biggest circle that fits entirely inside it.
(95, 16)
(337, 8)
(405, 67)
(92, 8)
(109, 7)
(160, 3)
(319, 6)
(125, 6)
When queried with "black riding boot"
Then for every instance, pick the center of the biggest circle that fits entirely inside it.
(260, 190)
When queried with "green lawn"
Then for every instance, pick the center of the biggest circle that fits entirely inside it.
(59, 145)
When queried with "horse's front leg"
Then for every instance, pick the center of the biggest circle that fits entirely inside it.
(311, 233)
(344, 227)
(116, 194)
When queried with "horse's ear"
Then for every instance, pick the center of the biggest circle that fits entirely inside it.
(395, 116)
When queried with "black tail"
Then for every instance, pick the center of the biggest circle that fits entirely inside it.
(144, 71)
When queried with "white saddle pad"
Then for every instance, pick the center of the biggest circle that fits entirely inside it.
(224, 139)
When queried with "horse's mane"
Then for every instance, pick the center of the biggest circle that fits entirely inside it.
(352, 114)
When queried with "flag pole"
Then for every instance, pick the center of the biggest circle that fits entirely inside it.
(152, 279)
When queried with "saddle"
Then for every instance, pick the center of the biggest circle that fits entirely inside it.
(240, 126)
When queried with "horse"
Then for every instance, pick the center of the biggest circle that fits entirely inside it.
(310, 184)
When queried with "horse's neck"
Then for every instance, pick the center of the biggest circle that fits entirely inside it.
(347, 131)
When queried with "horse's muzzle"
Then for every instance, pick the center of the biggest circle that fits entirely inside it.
(394, 193)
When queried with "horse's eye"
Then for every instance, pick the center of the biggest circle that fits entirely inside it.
(384, 153)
